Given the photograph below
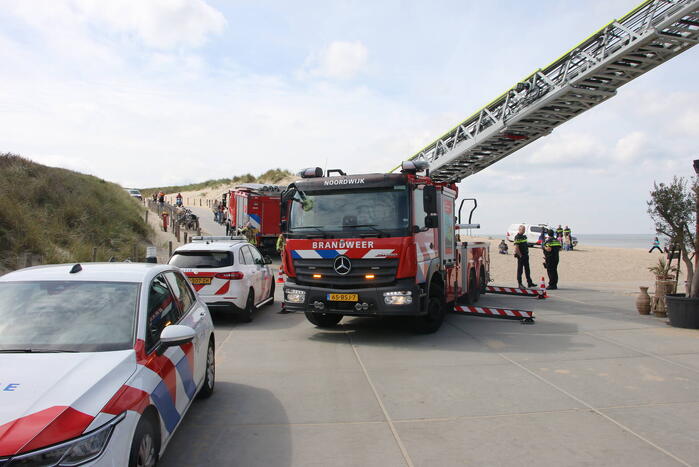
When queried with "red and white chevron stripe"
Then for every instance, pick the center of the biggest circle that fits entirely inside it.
(501, 312)
(513, 291)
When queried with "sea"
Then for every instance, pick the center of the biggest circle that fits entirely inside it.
(611, 240)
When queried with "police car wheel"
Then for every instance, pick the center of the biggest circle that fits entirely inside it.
(246, 314)
(271, 292)
(145, 446)
(210, 377)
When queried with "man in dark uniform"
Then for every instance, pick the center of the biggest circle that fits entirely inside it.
(551, 249)
(522, 255)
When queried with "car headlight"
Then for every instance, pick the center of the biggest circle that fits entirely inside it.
(295, 296)
(398, 297)
(71, 453)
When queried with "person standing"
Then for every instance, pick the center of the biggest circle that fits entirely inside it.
(559, 233)
(522, 255)
(656, 244)
(552, 248)
(567, 239)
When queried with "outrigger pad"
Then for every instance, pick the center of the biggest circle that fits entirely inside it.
(527, 317)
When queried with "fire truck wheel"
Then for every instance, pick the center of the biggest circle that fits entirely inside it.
(322, 320)
(472, 294)
(483, 282)
(434, 318)
(246, 313)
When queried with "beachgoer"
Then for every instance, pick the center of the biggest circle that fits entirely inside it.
(656, 245)
(502, 247)
(522, 255)
(178, 199)
(552, 248)
(567, 239)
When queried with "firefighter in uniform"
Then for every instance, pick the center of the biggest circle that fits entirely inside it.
(552, 247)
(522, 255)
(559, 233)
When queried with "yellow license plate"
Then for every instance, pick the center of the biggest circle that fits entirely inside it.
(343, 297)
(200, 280)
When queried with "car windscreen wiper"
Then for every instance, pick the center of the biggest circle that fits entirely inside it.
(34, 350)
(371, 226)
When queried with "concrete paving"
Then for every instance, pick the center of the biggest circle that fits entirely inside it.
(591, 383)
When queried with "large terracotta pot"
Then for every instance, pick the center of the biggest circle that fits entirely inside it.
(643, 302)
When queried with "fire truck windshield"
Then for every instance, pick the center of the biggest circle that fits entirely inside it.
(381, 212)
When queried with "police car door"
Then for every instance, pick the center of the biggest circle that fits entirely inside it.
(262, 274)
(193, 316)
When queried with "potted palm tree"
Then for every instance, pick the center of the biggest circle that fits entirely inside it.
(664, 284)
(674, 208)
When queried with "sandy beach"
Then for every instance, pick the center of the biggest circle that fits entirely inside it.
(593, 267)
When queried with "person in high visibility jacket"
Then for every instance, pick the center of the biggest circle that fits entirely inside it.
(567, 239)
(559, 233)
(281, 243)
(522, 255)
(552, 247)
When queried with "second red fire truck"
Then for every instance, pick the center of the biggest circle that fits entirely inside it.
(256, 206)
(377, 245)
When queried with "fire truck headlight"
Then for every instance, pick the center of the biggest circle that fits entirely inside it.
(295, 296)
(398, 297)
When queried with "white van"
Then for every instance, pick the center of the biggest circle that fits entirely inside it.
(532, 231)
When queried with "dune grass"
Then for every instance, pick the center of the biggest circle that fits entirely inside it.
(62, 215)
(270, 176)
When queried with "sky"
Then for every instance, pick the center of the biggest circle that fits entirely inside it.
(162, 92)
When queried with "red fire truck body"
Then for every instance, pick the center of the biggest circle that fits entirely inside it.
(257, 206)
(377, 245)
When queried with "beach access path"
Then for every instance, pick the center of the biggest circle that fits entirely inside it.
(591, 383)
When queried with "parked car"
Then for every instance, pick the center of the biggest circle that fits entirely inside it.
(228, 273)
(100, 362)
(533, 233)
(135, 194)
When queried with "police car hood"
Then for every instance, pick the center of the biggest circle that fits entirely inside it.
(48, 398)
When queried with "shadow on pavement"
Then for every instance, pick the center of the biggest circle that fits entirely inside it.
(217, 432)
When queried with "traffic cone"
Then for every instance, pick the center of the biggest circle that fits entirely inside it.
(280, 276)
(542, 288)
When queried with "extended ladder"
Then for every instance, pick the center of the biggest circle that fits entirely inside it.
(582, 78)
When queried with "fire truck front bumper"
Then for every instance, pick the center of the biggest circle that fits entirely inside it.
(401, 299)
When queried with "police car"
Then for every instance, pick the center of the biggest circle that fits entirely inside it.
(98, 362)
(228, 273)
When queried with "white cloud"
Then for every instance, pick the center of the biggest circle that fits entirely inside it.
(567, 150)
(631, 146)
(340, 60)
(156, 23)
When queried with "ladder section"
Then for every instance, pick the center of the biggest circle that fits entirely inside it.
(582, 78)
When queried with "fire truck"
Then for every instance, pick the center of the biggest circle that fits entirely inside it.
(256, 206)
(378, 245)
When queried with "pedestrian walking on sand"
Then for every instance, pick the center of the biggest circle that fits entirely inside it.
(656, 244)
(552, 247)
(522, 255)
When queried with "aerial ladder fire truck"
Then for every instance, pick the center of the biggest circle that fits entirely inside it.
(386, 244)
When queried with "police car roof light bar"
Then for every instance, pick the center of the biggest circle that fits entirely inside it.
(204, 238)
(582, 78)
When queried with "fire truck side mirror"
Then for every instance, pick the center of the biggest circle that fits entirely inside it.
(429, 199)
(431, 222)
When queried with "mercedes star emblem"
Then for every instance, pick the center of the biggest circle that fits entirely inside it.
(342, 265)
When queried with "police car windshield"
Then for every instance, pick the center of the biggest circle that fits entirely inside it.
(68, 316)
(377, 211)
